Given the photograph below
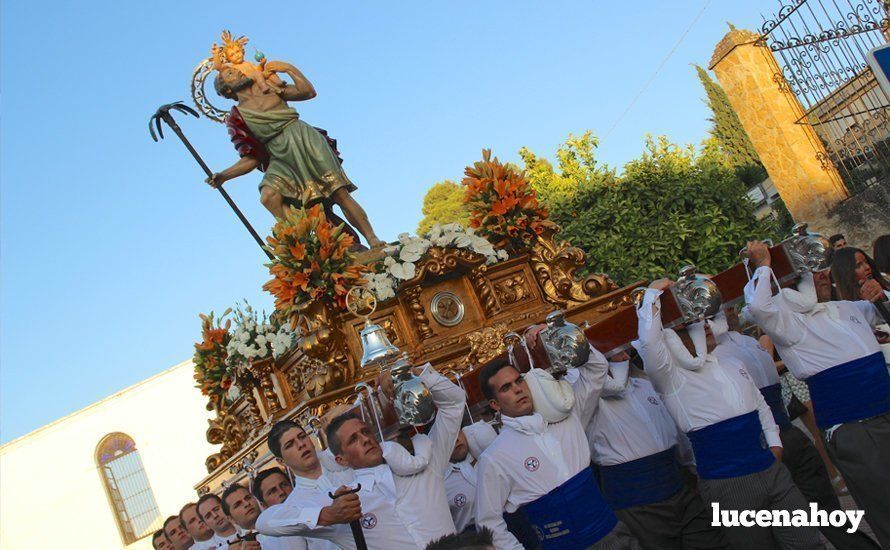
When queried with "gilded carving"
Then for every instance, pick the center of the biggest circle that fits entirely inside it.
(411, 295)
(483, 289)
(322, 341)
(485, 345)
(554, 265)
(225, 430)
(625, 300)
(264, 372)
(511, 290)
(438, 261)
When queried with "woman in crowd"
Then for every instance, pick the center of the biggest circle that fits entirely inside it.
(850, 267)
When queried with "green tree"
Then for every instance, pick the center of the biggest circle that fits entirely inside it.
(672, 206)
(443, 203)
(731, 137)
(577, 168)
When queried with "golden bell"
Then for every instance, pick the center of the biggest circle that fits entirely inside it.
(376, 347)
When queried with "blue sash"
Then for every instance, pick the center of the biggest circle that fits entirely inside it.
(731, 448)
(646, 480)
(773, 397)
(854, 390)
(574, 515)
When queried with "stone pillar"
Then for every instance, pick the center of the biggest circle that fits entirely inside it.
(791, 152)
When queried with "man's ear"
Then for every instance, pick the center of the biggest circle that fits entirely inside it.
(341, 460)
(494, 405)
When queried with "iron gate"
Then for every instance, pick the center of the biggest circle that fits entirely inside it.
(820, 47)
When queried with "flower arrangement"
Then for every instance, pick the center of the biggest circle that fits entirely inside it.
(503, 206)
(400, 261)
(212, 372)
(254, 338)
(312, 261)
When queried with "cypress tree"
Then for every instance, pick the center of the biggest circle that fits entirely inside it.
(729, 132)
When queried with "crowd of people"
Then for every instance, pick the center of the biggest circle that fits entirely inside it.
(639, 450)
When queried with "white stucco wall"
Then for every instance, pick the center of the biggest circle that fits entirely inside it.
(51, 493)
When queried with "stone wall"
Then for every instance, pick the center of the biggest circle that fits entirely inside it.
(790, 151)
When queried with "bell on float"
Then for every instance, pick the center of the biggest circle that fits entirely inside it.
(376, 348)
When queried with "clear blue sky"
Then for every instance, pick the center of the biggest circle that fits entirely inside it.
(111, 244)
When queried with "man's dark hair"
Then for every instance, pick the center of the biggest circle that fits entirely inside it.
(227, 493)
(257, 483)
(331, 431)
(158, 534)
(835, 238)
(230, 92)
(488, 370)
(203, 499)
(274, 437)
(168, 520)
(223, 89)
(482, 539)
(183, 509)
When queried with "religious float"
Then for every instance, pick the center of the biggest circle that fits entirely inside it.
(455, 298)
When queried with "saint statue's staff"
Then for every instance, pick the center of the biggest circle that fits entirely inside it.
(163, 113)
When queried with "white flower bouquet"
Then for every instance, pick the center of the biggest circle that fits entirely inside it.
(400, 261)
(254, 338)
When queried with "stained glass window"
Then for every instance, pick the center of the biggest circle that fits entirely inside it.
(129, 492)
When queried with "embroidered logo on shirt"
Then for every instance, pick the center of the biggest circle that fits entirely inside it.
(652, 400)
(460, 500)
(538, 532)
(369, 521)
(855, 320)
(532, 464)
(744, 373)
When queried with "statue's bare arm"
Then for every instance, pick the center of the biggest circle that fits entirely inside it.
(244, 166)
(300, 90)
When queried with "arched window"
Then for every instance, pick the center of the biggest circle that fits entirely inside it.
(127, 487)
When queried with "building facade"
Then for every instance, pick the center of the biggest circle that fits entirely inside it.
(107, 475)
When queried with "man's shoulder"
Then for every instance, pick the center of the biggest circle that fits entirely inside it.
(500, 446)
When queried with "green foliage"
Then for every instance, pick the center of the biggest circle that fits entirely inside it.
(672, 206)
(443, 203)
(731, 137)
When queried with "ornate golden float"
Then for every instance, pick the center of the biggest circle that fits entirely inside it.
(454, 313)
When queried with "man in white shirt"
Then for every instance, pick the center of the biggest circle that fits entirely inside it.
(271, 486)
(176, 534)
(460, 484)
(210, 509)
(831, 346)
(734, 437)
(799, 454)
(402, 499)
(403, 502)
(634, 442)
(197, 529)
(544, 468)
(307, 510)
(244, 509)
